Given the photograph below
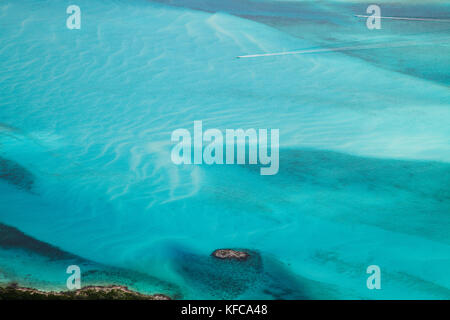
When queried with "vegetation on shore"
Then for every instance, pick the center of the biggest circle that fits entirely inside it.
(112, 292)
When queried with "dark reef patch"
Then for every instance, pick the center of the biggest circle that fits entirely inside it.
(220, 278)
(256, 276)
(14, 173)
(406, 196)
(12, 238)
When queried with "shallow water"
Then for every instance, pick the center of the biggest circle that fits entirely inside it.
(86, 115)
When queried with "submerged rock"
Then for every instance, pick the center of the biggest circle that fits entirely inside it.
(230, 254)
(113, 292)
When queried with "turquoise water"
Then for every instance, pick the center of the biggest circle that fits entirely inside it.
(85, 123)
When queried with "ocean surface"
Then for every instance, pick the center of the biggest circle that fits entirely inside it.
(86, 176)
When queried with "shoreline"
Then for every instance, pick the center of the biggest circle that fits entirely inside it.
(110, 292)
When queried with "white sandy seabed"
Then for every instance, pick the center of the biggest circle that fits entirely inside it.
(364, 171)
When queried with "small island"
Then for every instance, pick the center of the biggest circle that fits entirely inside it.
(112, 292)
(230, 254)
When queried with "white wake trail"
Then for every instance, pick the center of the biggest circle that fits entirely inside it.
(404, 18)
(347, 48)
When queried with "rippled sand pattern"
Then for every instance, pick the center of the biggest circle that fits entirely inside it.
(85, 123)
